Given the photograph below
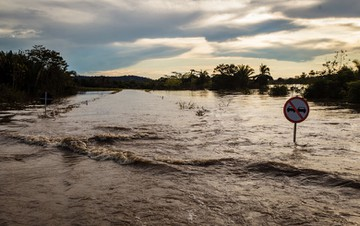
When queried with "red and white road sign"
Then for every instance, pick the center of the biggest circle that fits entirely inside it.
(296, 109)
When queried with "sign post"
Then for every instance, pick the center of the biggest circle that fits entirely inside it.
(295, 132)
(296, 110)
(46, 100)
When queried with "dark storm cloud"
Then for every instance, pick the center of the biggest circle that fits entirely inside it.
(286, 53)
(125, 26)
(222, 33)
(109, 25)
(323, 9)
(106, 58)
(85, 31)
(88, 41)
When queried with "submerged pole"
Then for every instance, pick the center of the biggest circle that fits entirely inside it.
(45, 102)
(295, 133)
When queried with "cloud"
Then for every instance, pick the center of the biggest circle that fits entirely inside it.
(221, 33)
(108, 58)
(322, 9)
(286, 53)
(108, 34)
(96, 22)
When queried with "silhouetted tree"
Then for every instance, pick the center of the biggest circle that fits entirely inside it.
(335, 80)
(262, 80)
(204, 80)
(231, 76)
(35, 71)
(264, 69)
(357, 68)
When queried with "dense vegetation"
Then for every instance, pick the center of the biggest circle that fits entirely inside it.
(26, 74)
(225, 77)
(118, 82)
(338, 81)
(279, 90)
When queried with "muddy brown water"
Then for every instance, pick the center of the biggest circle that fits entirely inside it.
(178, 158)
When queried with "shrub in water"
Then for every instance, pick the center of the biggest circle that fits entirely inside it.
(186, 105)
(279, 91)
(354, 92)
(325, 89)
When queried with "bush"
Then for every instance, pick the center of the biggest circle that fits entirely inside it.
(279, 91)
(325, 89)
(9, 95)
(354, 92)
(11, 98)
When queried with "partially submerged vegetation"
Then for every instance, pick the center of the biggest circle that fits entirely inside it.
(337, 81)
(200, 111)
(224, 77)
(354, 92)
(26, 75)
(279, 90)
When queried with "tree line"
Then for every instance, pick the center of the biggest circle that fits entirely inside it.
(338, 80)
(224, 77)
(24, 75)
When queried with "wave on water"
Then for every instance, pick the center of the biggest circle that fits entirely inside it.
(104, 154)
(101, 153)
(6, 118)
(111, 138)
(100, 147)
(196, 162)
(307, 176)
(114, 128)
(32, 140)
(21, 157)
(81, 146)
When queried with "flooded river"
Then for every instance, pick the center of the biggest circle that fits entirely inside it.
(178, 158)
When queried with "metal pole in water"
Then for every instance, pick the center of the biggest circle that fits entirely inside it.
(45, 102)
(295, 133)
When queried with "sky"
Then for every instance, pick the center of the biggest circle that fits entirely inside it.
(153, 38)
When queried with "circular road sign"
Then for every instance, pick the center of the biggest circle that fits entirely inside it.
(296, 109)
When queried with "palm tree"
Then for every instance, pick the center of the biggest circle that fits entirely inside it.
(262, 79)
(242, 75)
(264, 70)
(203, 79)
(244, 70)
(230, 76)
(357, 65)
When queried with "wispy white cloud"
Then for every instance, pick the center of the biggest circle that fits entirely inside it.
(235, 19)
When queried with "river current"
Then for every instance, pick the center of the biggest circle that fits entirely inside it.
(178, 158)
